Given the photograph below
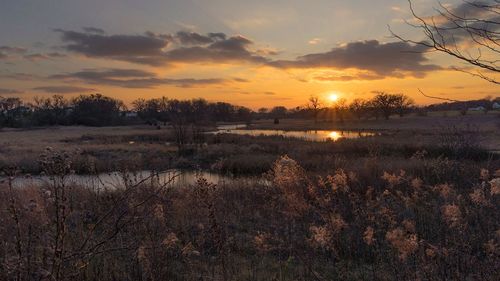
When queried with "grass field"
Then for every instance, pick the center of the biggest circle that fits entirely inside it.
(417, 202)
(145, 147)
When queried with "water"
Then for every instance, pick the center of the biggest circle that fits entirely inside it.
(312, 135)
(114, 180)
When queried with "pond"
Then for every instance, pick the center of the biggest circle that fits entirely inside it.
(311, 135)
(113, 180)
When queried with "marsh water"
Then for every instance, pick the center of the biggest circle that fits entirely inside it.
(184, 178)
(310, 135)
(114, 180)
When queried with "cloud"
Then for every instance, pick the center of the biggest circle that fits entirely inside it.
(136, 48)
(380, 59)
(20, 76)
(193, 38)
(62, 89)
(242, 80)
(12, 50)
(232, 49)
(161, 49)
(396, 9)
(315, 41)
(457, 24)
(350, 77)
(133, 78)
(374, 59)
(41, 56)
(4, 91)
(93, 30)
(7, 51)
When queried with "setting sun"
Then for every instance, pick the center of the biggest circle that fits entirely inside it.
(333, 97)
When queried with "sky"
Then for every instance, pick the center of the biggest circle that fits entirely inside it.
(253, 53)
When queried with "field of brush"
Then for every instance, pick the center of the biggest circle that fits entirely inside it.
(418, 201)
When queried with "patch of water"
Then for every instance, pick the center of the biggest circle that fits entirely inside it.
(114, 180)
(312, 135)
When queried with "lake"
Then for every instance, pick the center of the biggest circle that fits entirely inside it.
(311, 135)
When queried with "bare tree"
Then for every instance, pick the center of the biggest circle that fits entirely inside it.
(359, 107)
(388, 104)
(340, 109)
(403, 104)
(315, 106)
(468, 32)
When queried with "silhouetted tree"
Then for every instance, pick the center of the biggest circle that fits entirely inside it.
(315, 106)
(388, 104)
(96, 110)
(359, 108)
(50, 111)
(278, 112)
(340, 108)
(403, 104)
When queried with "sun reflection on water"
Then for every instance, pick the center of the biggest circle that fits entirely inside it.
(335, 136)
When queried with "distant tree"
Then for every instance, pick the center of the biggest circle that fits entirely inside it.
(263, 110)
(314, 105)
(50, 111)
(180, 114)
(222, 111)
(200, 118)
(403, 104)
(278, 112)
(12, 111)
(244, 114)
(386, 104)
(96, 110)
(359, 108)
(340, 108)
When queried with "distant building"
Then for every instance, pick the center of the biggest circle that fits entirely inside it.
(479, 108)
(131, 114)
(496, 105)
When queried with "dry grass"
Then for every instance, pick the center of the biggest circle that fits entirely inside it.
(363, 224)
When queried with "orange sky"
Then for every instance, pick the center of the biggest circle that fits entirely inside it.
(257, 54)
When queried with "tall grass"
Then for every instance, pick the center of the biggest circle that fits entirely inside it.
(423, 218)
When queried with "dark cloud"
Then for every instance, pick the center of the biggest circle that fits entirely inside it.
(135, 48)
(56, 55)
(132, 78)
(233, 49)
(376, 60)
(95, 30)
(193, 38)
(4, 91)
(381, 59)
(150, 48)
(62, 89)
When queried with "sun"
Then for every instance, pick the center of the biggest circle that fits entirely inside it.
(333, 97)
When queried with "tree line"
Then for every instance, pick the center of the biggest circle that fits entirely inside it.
(89, 110)
(100, 110)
